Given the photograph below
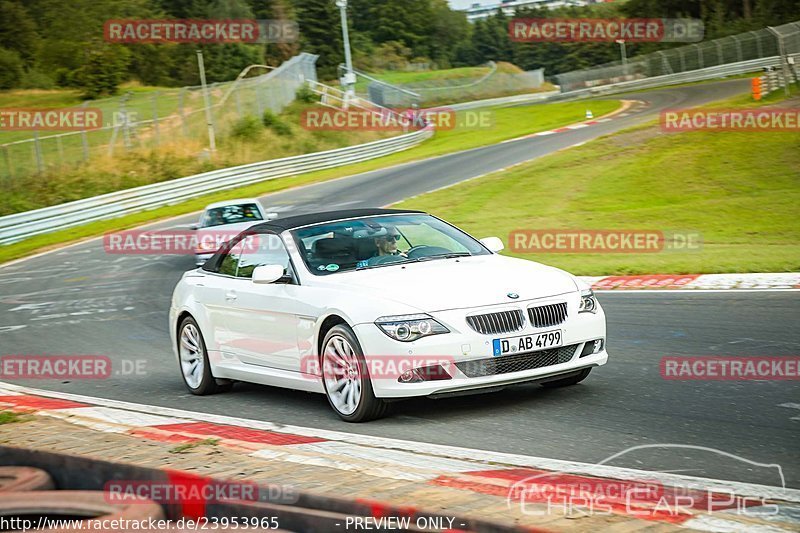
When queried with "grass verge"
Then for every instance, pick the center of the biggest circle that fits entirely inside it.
(185, 447)
(10, 417)
(739, 190)
(508, 123)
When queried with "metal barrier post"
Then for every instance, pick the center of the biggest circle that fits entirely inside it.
(155, 118)
(7, 158)
(37, 152)
(85, 138)
(182, 111)
(784, 59)
(738, 48)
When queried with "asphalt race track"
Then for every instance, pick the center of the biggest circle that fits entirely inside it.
(82, 301)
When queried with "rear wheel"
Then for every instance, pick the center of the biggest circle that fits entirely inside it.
(347, 382)
(193, 360)
(566, 382)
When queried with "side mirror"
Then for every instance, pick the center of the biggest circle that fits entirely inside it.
(494, 244)
(194, 226)
(266, 274)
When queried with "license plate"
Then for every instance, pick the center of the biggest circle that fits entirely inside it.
(528, 343)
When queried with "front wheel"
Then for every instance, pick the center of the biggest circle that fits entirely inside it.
(193, 360)
(347, 382)
(566, 382)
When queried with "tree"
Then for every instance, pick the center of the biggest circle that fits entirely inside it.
(104, 68)
(18, 31)
(10, 69)
(321, 30)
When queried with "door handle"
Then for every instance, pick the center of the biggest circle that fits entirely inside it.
(230, 295)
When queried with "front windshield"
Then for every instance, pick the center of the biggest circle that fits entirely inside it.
(381, 241)
(231, 214)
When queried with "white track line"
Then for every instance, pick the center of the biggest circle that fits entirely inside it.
(493, 460)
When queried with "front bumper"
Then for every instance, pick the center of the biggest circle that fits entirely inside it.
(464, 351)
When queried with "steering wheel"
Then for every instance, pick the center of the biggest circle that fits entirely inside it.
(384, 259)
(423, 250)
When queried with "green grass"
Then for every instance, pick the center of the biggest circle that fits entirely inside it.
(438, 87)
(508, 123)
(10, 417)
(181, 448)
(512, 122)
(740, 190)
(423, 77)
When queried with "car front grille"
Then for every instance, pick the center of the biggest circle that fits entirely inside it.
(500, 322)
(518, 362)
(545, 316)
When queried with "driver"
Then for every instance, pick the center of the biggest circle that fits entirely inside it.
(387, 244)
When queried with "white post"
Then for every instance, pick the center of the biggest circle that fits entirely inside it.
(349, 79)
(207, 102)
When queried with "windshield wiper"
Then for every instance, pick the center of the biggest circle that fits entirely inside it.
(366, 267)
(444, 256)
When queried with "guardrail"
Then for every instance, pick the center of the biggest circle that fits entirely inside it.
(710, 73)
(21, 226)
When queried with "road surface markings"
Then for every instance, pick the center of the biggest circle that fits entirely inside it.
(791, 406)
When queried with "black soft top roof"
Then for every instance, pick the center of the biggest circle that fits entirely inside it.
(279, 225)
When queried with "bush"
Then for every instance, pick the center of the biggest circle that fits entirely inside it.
(36, 79)
(10, 69)
(269, 118)
(273, 122)
(246, 128)
(306, 95)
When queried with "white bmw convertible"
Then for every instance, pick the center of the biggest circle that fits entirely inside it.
(371, 305)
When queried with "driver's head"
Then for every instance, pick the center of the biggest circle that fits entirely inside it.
(387, 244)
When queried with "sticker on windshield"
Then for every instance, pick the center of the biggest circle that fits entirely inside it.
(321, 267)
(333, 267)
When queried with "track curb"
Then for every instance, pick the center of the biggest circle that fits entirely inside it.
(493, 476)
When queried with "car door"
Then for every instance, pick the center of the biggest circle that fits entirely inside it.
(262, 320)
(213, 292)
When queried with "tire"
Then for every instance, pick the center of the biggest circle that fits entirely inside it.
(364, 406)
(566, 382)
(77, 504)
(193, 361)
(24, 478)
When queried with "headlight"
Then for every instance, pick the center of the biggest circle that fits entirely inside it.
(205, 246)
(588, 302)
(407, 328)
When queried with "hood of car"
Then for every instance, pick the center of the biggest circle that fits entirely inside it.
(444, 284)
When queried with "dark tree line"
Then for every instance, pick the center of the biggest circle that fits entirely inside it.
(53, 43)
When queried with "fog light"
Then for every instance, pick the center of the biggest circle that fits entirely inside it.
(409, 376)
(592, 347)
(425, 373)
